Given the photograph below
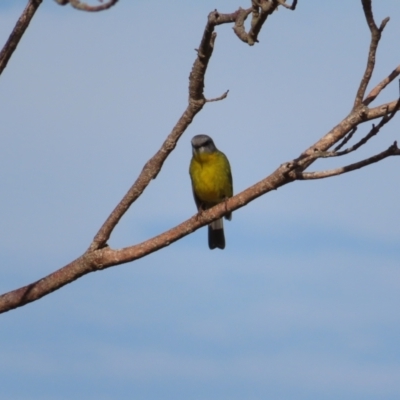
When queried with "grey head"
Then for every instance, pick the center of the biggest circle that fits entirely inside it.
(203, 144)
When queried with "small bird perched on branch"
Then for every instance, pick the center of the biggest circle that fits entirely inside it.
(211, 177)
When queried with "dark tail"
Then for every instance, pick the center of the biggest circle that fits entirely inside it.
(216, 237)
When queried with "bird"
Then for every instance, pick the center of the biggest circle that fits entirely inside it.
(210, 173)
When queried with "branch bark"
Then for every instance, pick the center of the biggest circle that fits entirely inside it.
(17, 33)
(375, 38)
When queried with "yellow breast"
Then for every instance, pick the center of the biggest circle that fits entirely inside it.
(211, 177)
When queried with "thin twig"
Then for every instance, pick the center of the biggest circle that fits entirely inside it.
(17, 33)
(375, 38)
(345, 139)
(290, 7)
(261, 9)
(374, 131)
(223, 96)
(239, 27)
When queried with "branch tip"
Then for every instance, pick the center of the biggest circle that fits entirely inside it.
(223, 96)
(383, 24)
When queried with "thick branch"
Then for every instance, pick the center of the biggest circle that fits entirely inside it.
(260, 11)
(393, 150)
(375, 38)
(106, 257)
(18, 31)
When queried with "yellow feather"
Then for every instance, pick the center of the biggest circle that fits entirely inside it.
(211, 177)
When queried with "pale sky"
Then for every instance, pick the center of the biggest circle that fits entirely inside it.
(303, 302)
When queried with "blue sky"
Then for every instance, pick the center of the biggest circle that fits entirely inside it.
(303, 302)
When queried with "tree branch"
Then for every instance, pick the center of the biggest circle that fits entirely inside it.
(345, 139)
(106, 257)
(375, 38)
(17, 33)
(219, 98)
(260, 11)
(290, 7)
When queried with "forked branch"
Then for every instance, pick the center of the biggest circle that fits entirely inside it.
(393, 150)
(373, 132)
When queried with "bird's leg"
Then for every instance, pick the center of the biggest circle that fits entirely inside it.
(200, 210)
(226, 204)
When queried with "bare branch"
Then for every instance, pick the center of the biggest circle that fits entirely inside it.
(393, 150)
(223, 96)
(260, 11)
(345, 139)
(106, 257)
(284, 4)
(373, 94)
(18, 31)
(382, 110)
(375, 38)
(239, 28)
